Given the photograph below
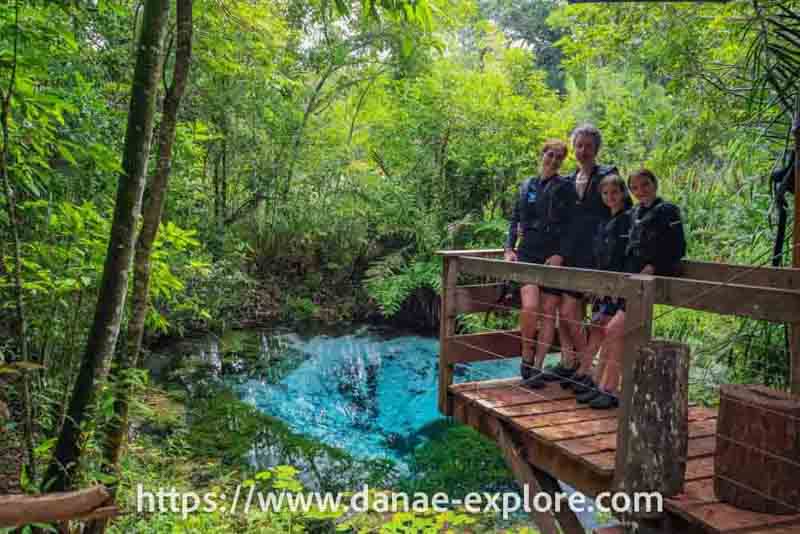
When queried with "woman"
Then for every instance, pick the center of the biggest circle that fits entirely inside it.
(610, 245)
(540, 213)
(656, 244)
(587, 213)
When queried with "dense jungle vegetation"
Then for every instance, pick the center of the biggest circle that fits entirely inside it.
(199, 165)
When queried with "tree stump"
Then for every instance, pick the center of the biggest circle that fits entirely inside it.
(757, 461)
(656, 421)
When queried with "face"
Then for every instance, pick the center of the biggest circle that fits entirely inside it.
(585, 151)
(613, 197)
(643, 189)
(552, 160)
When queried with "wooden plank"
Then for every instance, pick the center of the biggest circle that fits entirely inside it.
(485, 346)
(543, 455)
(721, 518)
(447, 328)
(18, 510)
(700, 449)
(567, 520)
(476, 252)
(485, 384)
(538, 409)
(580, 413)
(515, 395)
(698, 468)
(749, 275)
(767, 304)
(478, 298)
(575, 430)
(792, 529)
(597, 282)
(701, 442)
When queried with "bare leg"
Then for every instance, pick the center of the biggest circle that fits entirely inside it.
(597, 334)
(549, 306)
(571, 310)
(613, 348)
(528, 320)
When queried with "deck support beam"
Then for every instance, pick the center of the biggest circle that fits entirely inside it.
(447, 328)
(537, 481)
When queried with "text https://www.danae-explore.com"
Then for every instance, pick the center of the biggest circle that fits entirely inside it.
(249, 499)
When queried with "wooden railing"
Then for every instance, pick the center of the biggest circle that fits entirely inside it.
(768, 294)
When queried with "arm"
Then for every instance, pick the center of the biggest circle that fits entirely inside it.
(674, 241)
(513, 232)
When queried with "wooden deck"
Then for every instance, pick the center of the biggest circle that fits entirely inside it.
(577, 445)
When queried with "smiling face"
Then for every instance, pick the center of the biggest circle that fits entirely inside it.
(643, 188)
(585, 151)
(613, 197)
(552, 158)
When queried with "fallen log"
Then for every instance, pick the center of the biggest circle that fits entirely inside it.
(18, 510)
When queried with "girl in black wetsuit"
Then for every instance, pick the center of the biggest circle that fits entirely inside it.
(540, 213)
(656, 244)
(610, 245)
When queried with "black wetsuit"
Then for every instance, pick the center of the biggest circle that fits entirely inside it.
(540, 213)
(610, 245)
(585, 217)
(656, 239)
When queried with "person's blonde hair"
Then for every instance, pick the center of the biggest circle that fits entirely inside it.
(555, 144)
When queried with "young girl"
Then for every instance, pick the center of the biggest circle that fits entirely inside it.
(610, 244)
(656, 244)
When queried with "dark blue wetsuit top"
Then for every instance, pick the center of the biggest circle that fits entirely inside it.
(656, 238)
(586, 215)
(540, 213)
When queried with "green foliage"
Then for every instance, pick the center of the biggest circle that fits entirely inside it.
(457, 460)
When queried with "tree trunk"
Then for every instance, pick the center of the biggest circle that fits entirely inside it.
(15, 223)
(151, 213)
(111, 298)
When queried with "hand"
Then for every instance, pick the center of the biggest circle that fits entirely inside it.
(556, 260)
(510, 255)
(649, 269)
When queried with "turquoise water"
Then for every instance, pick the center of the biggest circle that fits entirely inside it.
(370, 392)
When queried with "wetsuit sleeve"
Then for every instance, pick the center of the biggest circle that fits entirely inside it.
(567, 198)
(513, 226)
(674, 243)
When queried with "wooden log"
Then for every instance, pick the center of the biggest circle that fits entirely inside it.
(653, 457)
(447, 328)
(757, 462)
(18, 510)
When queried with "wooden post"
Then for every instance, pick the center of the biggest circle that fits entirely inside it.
(794, 331)
(638, 327)
(536, 481)
(447, 329)
(653, 458)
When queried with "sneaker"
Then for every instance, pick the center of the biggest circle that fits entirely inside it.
(536, 381)
(586, 384)
(526, 370)
(589, 396)
(604, 401)
(558, 372)
(572, 383)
